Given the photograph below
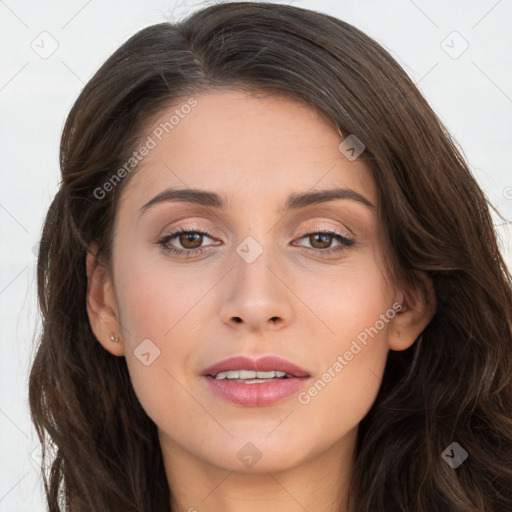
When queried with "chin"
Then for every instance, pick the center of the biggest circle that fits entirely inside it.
(259, 455)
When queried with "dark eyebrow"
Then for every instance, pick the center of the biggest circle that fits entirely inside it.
(188, 195)
(299, 200)
(294, 201)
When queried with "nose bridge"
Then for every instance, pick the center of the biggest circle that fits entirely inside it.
(255, 296)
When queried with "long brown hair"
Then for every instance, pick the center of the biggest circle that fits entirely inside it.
(453, 385)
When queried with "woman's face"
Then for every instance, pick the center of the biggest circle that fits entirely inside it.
(264, 284)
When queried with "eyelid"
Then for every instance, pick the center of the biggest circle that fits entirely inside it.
(189, 227)
(319, 229)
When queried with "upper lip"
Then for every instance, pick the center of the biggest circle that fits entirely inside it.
(262, 364)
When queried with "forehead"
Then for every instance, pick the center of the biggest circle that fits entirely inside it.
(246, 147)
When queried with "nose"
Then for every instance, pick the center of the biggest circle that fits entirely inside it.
(258, 296)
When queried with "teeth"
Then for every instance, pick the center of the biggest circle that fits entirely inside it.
(249, 374)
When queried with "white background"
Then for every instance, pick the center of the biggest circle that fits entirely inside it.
(472, 94)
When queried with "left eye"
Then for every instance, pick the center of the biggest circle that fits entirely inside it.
(324, 239)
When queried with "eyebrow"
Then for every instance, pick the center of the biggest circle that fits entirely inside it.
(293, 202)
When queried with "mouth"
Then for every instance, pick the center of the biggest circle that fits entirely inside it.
(252, 377)
(250, 382)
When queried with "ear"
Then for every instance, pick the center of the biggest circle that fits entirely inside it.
(418, 302)
(101, 303)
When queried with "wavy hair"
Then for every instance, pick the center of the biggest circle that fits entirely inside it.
(454, 384)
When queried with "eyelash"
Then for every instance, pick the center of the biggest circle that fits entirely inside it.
(345, 242)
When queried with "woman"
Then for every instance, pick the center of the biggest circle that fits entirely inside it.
(269, 282)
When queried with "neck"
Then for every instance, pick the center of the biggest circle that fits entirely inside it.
(318, 483)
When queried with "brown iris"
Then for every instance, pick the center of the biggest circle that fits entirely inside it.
(325, 241)
(195, 239)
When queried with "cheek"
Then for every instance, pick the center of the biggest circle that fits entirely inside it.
(352, 299)
(346, 387)
(157, 298)
(155, 313)
(353, 354)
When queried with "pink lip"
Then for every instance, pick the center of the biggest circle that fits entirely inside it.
(259, 394)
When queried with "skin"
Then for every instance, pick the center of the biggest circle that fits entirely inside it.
(256, 151)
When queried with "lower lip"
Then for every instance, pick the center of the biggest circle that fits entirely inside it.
(256, 395)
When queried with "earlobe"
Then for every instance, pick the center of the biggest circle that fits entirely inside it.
(101, 304)
(418, 308)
